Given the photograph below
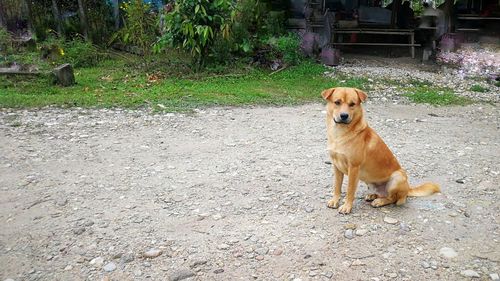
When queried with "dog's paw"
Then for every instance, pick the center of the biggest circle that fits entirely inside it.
(379, 202)
(371, 197)
(345, 208)
(333, 203)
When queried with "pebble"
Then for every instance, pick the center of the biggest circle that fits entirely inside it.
(277, 252)
(78, 230)
(390, 220)
(469, 273)
(361, 232)
(126, 258)
(109, 267)
(391, 275)
(223, 246)
(349, 234)
(426, 265)
(152, 253)
(448, 252)
(181, 274)
(99, 261)
(218, 271)
(262, 251)
(494, 276)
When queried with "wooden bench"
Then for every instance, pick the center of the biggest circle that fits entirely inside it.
(404, 32)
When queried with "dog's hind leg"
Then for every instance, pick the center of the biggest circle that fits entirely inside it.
(397, 190)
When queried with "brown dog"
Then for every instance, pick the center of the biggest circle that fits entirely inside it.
(358, 152)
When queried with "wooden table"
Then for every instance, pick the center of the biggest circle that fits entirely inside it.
(403, 32)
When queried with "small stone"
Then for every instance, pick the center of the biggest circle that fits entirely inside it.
(223, 246)
(218, 271)
(328, 274)
(357, 262)
(349, 234)
(494, 276)
(469, 273)
(361, 232)
(61, 202)
(78, 230)
(434, 264)
(68, 267)
(181, 274)
(448, 252)
(262, 251)
(259, 257)
(126, 258)
(390, 220)
(198, 262)
(391, 275)
(461, 181)
(152, 253)
(350, 226)
(137, 272)
(277, 252)
(109, 267)
(426, 265)
(98, 262)
(403, 227)
(309, 209)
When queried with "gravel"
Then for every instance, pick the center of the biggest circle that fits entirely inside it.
(138, 181)
(388, 78)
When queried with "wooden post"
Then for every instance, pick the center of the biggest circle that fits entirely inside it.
(57, 18)
(396, 4)
(83, 19)
(116, 13)
(449, 15)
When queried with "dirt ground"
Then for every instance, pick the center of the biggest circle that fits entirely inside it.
(241, 194)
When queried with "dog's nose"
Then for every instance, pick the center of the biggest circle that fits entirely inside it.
(344, 116)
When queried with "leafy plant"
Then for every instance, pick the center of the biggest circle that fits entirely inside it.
(478, 88)
(5, 41)
(194, 26)
(139, 26)
(288, 47)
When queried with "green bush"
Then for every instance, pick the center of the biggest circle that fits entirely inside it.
(77, 52)
(194, 26)
(287, 47)
(5, 42)
(140, 26)
(80, 53)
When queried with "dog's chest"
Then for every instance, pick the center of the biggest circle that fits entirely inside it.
(340, 161)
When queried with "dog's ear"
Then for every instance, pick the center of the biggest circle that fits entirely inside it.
(361, 95)
(327, 93)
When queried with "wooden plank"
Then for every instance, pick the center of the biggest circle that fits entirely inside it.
(379, 44)
(371, 32)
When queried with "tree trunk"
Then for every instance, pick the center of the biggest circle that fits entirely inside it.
(29, 10)
(57, 18)
(3, 17)
(116, 13)
(83, 19)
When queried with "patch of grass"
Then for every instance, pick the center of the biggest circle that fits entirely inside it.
(478, 88)
(114, 83)
(420, 83)
(436, 96)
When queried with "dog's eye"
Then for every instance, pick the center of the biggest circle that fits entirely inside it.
(337, 102)
(352, 104)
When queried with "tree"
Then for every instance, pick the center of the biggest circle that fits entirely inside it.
(57, 18)
(116, 13)
(83, 19)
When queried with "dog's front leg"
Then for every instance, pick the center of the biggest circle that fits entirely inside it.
(352, 185)
(337, 188)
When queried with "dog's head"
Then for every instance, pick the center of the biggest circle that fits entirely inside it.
(344, 104)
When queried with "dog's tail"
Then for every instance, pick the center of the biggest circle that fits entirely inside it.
(425, 189)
